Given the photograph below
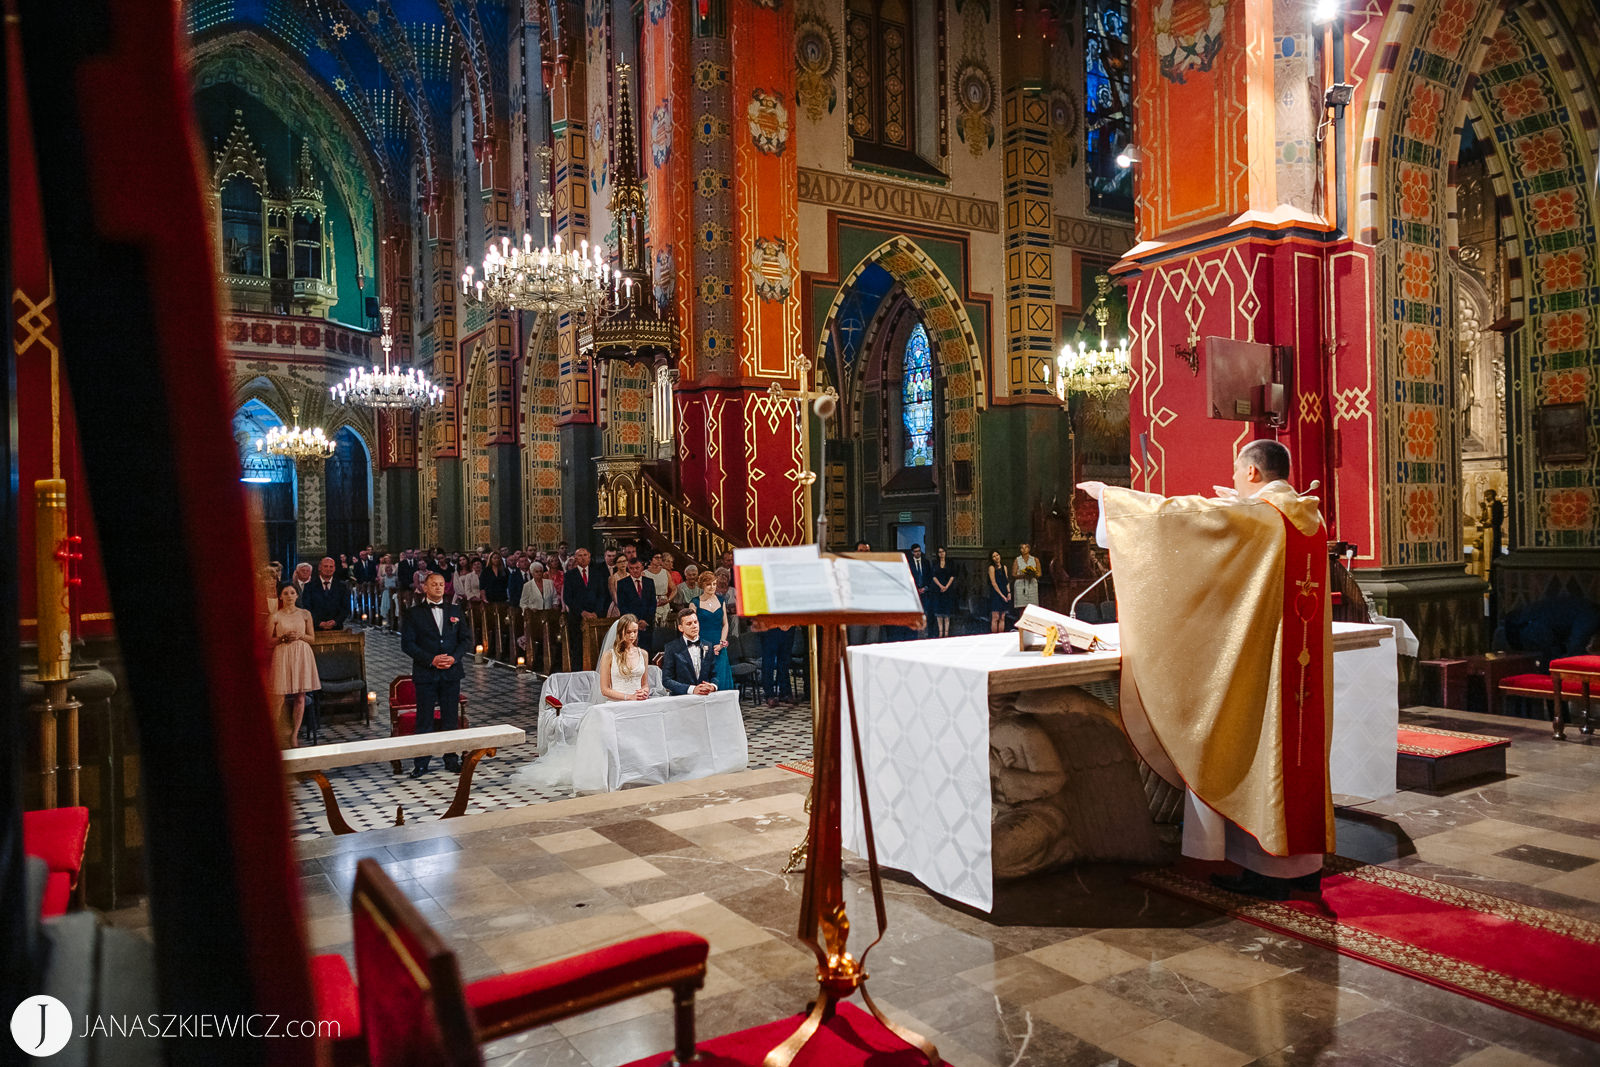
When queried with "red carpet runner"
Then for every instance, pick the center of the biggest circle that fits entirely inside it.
(851, 1039)
(1528, 960)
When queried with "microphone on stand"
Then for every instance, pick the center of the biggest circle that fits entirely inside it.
(1072, 612)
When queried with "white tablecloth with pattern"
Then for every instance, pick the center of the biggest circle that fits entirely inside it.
(924, 714)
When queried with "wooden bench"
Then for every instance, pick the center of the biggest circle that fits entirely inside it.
(310, 763)
(1540, 687)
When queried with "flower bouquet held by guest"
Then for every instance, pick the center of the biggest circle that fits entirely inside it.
(714, 628)
(1025, 569)
(294, 667)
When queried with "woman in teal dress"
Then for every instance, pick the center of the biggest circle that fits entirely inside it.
(714, 629)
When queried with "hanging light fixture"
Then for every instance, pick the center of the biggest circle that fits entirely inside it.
(1097, 372)
(520, 277)
(295, 442)
(390, 387)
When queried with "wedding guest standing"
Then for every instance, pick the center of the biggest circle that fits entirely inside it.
(714, 628)
(943, 576)
(294, 666)
(1025, 569)
(999, 593)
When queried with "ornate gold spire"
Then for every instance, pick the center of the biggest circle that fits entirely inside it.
(636, 331)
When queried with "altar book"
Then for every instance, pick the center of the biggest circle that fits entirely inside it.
(799, 580)
(1069, 631)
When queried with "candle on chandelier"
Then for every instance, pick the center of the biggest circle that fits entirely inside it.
(527, 243)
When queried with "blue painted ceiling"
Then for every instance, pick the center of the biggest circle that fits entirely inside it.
(391, 62)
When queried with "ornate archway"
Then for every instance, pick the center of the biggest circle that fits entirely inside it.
(1438, 60)
(956, 351)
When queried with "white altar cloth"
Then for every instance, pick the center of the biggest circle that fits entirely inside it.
(664, 739)
(924, 714)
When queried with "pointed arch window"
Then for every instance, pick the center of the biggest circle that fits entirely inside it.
(307, 246)
(1108, 94)
(916, 398)
(241, 226)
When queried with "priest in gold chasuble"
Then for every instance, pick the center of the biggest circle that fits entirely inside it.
(1227, 671)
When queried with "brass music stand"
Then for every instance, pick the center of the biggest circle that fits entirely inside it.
(824, 923)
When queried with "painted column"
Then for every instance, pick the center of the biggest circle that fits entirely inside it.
(724, 226)
(445, 419)
(1211, 264)
(311, 522)
(500, 337)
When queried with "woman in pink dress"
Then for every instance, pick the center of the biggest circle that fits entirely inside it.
(294, 667)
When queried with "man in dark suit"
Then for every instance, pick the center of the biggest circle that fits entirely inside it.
(922, 577)
(327, 598)
(687, 665)
(636, 596)
(587, 597)
(437, 637)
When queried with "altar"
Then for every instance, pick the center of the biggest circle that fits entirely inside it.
(924, 714)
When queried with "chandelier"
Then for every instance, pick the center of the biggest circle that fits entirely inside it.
(1097, 371)
(389, 387)
(296, 443)
(520, 277)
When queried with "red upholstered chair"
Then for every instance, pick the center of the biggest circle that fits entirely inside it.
(338, 1006)
(58, 836)
(403, 711)
(416, 1011)
(1539, 687)
(1579, 675)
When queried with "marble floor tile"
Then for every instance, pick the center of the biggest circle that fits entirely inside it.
(1087, 959)
(1093, 1014)
(1167, 1044)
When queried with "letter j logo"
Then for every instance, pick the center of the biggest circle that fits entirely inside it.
(41, 1025)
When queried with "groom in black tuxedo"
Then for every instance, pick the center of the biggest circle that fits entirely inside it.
(686, 665)
(437, 637)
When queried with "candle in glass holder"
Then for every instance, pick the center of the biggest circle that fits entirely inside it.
(520, 661)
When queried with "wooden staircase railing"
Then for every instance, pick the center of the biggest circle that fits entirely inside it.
(634, 503)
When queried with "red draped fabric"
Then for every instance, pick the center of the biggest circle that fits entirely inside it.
(110, 109)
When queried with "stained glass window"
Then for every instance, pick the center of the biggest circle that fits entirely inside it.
(1108, 104)
(916, 399)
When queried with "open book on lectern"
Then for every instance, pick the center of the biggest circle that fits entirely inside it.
(799, 580)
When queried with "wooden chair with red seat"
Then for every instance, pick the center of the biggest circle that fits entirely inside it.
(1579, 675)
(415, 1010)
(59, 836)
(1540, 687)
(403, 711)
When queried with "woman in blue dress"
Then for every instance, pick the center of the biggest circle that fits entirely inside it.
(715, 629)
(999, 593)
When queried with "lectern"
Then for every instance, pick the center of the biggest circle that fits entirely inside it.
(824, 924)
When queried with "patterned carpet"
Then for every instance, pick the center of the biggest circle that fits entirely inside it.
(369, 794)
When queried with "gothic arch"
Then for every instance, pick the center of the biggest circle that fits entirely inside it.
(1512, 68)
(474, 445)
(956, 346)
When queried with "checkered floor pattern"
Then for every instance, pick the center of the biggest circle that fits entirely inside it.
(370, 796)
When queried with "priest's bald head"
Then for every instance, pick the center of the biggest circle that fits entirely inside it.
(1259, 462)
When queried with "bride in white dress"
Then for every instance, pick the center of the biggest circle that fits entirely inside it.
(623, 666)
